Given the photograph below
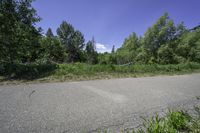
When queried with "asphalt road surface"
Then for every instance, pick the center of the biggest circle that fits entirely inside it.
(91, 106)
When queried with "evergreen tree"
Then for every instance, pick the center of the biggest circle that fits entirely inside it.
(72, 40)
(91, 52)
(49, 33)
(19, 39)
(113, 49)
(51, 51)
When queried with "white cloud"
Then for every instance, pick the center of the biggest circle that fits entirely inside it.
(101, 48)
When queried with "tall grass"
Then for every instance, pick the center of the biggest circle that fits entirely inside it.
(82, 71)
(172, 122)
(80, 68)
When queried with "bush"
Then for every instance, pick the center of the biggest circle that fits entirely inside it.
(81, 68)
(27, 71)
(33, 71)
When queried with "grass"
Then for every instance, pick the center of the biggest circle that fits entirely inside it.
(172, 122)
(81, 71)
(198, 97)
(175, 121)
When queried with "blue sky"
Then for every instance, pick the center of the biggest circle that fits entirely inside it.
(111, 21)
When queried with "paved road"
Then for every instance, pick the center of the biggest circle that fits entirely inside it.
(89, 106)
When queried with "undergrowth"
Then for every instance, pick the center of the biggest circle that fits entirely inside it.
(172, 122)
(81, 71)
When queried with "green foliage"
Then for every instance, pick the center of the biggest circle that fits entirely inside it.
(158, 125)
(28, 71)
(104, 58)
(49, 33)
(82, 69)
(124, 56)
(113, 49)
(91, 54)
(174, 122)
(142, 57)
(177, 120)
(51, 51)
(72, 40)
(159, 34)
(132, 42)
(189, 46)
(162, 43)
(198, 97)
(166, 55)
(129, 50)
(19, 39)
(194, 125)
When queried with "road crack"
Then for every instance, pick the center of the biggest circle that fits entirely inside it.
(31, 93)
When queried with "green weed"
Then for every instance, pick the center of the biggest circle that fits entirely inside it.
(198, 97)
(82, 71)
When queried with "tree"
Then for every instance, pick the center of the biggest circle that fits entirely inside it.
(72, 40)
(164, 42)
(51, 51)
(180, 30)
(104, 58)
(113, 49)
(29, 35)
(166, 55)
(19, 38)
(189, 45)
(162, 32)
(132, 42)
(91, 52)
(49, 33)
(8, 27)
(129, 50)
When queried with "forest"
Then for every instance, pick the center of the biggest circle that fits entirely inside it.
(25, 49)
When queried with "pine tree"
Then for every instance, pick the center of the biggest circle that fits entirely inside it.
(91, 52)
(72, 40)
(113, 49)
(49, 33)
(19, 38)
